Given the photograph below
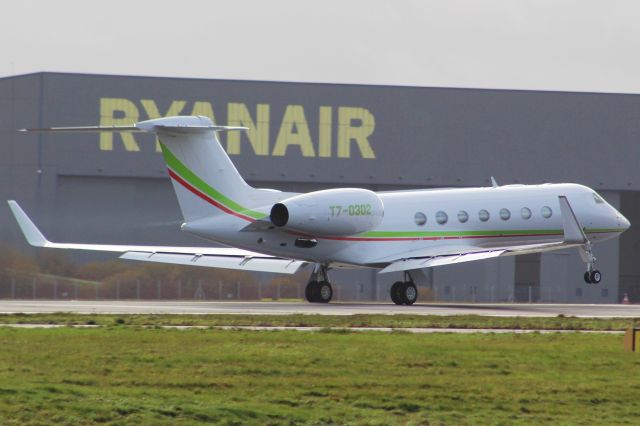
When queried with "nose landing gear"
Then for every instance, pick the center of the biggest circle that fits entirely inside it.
(575, 233)
(319, 290)
(592, 276)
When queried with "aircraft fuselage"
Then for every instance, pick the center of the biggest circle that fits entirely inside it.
(440, 221)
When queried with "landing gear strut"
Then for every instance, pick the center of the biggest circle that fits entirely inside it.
(319, 289)
(592, 276)
(575, 233)
(404, 292)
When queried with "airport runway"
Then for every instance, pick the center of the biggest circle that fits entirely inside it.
(412, 330)
(286, 308)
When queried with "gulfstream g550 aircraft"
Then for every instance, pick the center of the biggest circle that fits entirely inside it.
(397, 231)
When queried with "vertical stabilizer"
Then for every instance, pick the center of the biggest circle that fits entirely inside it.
(204, 178)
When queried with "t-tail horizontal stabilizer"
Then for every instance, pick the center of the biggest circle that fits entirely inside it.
(171, 124)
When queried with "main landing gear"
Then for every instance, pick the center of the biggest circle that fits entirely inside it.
(592, 276)
(404, 292)
(319, 289)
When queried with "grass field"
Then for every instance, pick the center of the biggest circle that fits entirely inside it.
(394, 321)
(135, 375)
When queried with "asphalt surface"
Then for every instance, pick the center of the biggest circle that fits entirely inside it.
(285, 308)
(412, 330)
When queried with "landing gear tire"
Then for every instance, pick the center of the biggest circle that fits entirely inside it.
(404, 293)
(410, 293)
(309, 291)
(324, 292)
(396, 293)
(593, 277)
(319, 289)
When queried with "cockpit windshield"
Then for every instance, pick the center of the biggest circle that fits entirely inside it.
(598, 199)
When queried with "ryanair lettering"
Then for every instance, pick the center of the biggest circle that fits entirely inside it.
(353, 127)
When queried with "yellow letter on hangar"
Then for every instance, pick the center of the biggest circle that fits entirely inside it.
(118, 112)
(353, 125)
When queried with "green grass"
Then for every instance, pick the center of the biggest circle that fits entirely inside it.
(403, 320)
(133, 375)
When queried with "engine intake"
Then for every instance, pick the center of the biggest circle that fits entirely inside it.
(279, 214)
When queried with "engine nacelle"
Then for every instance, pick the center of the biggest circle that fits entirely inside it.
(339, 212)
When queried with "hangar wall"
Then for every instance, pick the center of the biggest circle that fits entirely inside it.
(114, 188)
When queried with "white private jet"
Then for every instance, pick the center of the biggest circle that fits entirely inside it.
(395, 231)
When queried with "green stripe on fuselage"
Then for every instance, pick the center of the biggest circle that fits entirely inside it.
(463, 234)
(202, 186)
(195, 181)
(441, 234)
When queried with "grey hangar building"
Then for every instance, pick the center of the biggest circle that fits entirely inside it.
(114, 188)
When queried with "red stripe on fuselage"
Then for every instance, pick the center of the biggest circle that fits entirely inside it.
(205, 197)
(225, 209)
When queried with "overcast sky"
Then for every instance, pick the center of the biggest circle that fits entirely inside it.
(576, 45)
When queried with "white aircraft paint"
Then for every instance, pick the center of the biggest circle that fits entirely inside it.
(396, 231)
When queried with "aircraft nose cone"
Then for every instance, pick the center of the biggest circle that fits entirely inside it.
(624, 223)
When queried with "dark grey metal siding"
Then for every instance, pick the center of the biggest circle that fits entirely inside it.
(422, 137)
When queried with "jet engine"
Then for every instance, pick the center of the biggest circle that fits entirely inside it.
(330, 212)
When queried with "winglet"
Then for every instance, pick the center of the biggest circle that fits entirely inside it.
(494, 184)
(573, 232)
(29, 229)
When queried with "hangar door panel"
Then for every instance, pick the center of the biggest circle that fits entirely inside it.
(527, 278)
(117, 210)
(556, 284)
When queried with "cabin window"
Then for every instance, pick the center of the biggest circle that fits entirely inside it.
(483, 215)
(441, 217)
(598, 199)
(546, 212)
(505, 214)
(420, 218)
(525, 213)
(463, 216)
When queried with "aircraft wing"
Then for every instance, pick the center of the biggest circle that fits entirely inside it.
(216, 257)
(472, 253)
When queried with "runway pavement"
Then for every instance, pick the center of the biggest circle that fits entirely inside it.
(412, 330)
(285, 308)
